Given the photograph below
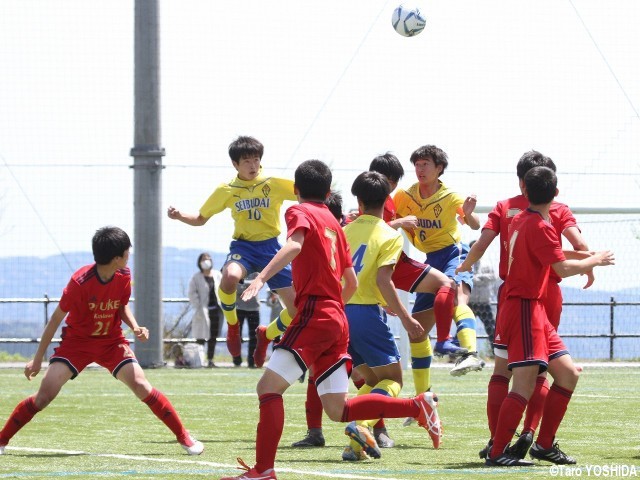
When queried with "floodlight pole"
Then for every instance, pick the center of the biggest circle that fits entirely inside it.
(147, 167)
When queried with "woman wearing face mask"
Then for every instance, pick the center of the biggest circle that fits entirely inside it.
(205, 323)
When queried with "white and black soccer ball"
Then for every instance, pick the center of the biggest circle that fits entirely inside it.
(407, 20)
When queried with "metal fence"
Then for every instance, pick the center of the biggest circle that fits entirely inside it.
(609, 332)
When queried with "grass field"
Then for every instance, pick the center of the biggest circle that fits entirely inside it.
(96, 428)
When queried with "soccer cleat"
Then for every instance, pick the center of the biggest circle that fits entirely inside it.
(408, 421)
(252, 473)
(506, 460)
(469, 362)
(192, 446)
(447, 347)
(428, 417)
(363, 437)
(234, 342)
(484, 453)
(522, 445)
(382, 438)
(262, 343)
(314, 438)
(351, 455)
(553, 455)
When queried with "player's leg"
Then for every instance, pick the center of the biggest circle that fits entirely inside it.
(232, 273)
(421, 352)
(313, 414)
(57, 374)
(253, 321)
(497, 391)
(132, 375)
(466, 332)
(242, 316)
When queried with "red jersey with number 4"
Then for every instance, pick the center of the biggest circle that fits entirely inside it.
(504, 212)
(533, 247)
(318, 268)
(93, 306)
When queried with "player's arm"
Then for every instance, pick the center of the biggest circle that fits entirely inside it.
(408, 223)
(578, 243)
(33, 366)
(195, 220)
(141, 333)
(567, 268)
(478, 249)
(284, 257)
(390, 295)
(350, 284)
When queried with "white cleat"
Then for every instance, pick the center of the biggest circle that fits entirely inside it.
(467, 363)
(192, 446)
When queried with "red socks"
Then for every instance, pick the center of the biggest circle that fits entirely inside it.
(496, 393)
(270, 428)
(162, 408)
(536, 405)
(368, 407)
(443, 310)
(553, 413)
(21, 415)
(508, 421)
(313, 406)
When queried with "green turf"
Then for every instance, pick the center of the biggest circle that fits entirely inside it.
(115, 435)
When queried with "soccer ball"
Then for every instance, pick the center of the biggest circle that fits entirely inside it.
(407, 20)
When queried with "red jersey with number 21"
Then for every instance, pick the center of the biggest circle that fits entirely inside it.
(93, 306)
(325, 255)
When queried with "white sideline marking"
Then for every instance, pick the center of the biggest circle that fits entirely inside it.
(192, 462)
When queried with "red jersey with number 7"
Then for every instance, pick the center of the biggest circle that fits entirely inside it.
(325, 255)
(93, 306)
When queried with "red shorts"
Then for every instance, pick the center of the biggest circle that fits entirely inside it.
(78, 353)
(524, 331)
(318, 336)
(553, 303)
(408, 273)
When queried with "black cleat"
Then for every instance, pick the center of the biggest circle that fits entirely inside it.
(506, 459)
(553, 455)
(484, 453)
(522, 445)
(314, 438)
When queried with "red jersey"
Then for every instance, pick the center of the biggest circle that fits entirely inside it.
(325, 255)
(533, 247)
(93, 306)
(389, 212)
(502, 215)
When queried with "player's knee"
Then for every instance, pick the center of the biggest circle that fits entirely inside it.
(334, 411)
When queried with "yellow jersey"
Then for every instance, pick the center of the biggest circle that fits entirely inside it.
(373, 244)
(254, 204)
(438, 225)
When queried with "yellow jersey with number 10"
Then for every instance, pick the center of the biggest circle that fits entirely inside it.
(254, 204)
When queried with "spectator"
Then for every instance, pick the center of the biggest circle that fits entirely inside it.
(250, 311)
(205, 323)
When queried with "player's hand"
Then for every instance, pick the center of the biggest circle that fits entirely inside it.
(469, 205)
(605, 258)
(410, 222)
(590, 279)
(463, 267)
(141, 333)
(253, 289)
(413, 328)
(32, 368)
(173, 213)
(351, 216)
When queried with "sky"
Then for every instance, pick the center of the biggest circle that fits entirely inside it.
(485, 81)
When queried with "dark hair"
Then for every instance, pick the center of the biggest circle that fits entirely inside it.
(109, 243)
(431, 152)
(371, 188)
(540, 184)
(201, 257)
(313, 178)
(334, 204)
(389, 166)
(245, 147)
(531, 159)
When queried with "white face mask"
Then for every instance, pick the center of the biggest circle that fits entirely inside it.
(206, 264)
